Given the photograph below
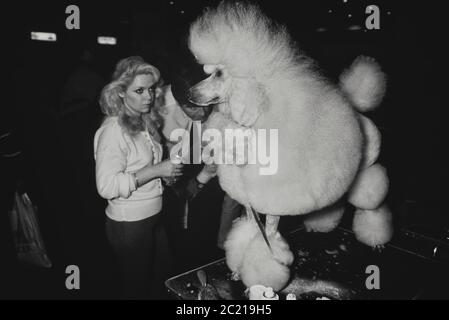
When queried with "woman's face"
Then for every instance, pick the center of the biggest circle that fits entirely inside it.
(139, 96)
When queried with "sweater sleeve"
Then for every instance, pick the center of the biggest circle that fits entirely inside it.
(110, 157)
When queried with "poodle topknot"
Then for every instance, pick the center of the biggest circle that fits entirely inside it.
(239, 36)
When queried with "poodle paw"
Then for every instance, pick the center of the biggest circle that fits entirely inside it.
(378, 248)
(373, 227)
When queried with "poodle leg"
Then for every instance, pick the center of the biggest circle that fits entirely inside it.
(271, 224)
(259, 224)
(373, 139)
(242, 232)
(325, 220)
(373, 227)
(244, 229)
(370, 188)
(267, 267)
(250, 215)
(372, 223)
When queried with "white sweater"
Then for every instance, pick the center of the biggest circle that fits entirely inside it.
(117, 156)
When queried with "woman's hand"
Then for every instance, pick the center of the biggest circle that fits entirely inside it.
(168, 169)
(208, 172)
(210, 169)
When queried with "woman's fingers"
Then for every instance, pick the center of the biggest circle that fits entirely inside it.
(177, 170)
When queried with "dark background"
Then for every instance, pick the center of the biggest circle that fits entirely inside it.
(57, 166)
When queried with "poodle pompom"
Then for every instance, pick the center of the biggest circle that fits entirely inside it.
(370, 188)
(364, 83)
(324, 220)
(373, 227)
(260, 266)
(243, 230)
(373, 140)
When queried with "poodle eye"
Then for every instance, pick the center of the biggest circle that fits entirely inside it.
(218, 73)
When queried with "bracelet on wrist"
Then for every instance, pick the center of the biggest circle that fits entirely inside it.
(199, 183)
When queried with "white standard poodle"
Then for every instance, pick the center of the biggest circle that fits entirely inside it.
(326, 149)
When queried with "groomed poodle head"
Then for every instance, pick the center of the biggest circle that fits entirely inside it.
(245, 97)
(212, 90)
(243, 51)
(239, 36)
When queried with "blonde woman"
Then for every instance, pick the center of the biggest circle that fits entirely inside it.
(129, 169)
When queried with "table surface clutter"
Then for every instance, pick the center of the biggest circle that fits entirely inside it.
(336, 266)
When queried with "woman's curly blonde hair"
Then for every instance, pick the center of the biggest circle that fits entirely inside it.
(112, 104)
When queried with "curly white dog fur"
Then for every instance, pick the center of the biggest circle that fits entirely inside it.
(261, 80)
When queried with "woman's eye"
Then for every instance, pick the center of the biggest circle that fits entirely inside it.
(139, 91)
(151, 90)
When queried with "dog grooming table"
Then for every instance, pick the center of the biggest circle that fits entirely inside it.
(337, 266)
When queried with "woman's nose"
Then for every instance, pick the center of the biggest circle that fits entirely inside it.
(148, 95)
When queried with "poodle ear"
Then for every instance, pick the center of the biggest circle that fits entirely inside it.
(248, 100)
(261, 97)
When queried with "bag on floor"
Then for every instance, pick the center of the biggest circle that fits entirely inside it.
(25, 228)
